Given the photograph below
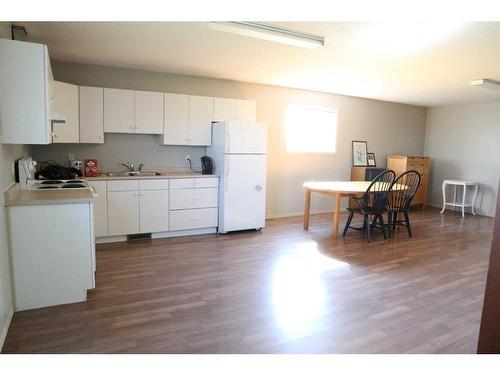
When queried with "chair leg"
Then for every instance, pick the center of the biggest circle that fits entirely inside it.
(407, 220)
(367, 228)
(389, 224)
(348, 223)
(381, 219)
(394, 221)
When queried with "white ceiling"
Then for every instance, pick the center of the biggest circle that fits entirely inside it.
(424, 64)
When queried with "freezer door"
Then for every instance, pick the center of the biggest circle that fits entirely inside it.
(244, 205)
(246, 138)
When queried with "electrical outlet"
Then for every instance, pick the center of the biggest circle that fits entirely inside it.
(187, 158)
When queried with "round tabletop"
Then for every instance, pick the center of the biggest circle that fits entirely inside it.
(338, 186)
(347, 187)
(459, 182)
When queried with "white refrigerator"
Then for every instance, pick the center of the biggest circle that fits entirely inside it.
(239, 152)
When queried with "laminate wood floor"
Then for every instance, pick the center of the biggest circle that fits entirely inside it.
(281, 290)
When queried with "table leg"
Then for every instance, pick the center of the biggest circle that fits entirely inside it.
(476, 188)
(336, 215)
(463, 199)
(444, 196)
(307, 208)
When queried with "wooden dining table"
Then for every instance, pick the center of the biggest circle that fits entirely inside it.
(337, 189)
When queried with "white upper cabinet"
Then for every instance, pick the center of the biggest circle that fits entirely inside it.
(91, 114)
(176, 117)
(234, 110)
(119, 111)
(148, 112)
(65, 102)
(224, 109)
(201, 114)
(25, 76)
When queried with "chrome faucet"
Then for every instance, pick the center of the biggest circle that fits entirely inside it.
(140, 167)
(129, 167)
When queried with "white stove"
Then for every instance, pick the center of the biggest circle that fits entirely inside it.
(57, 184)
(26, 171)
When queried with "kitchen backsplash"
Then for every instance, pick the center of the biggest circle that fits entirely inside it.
(123, 148)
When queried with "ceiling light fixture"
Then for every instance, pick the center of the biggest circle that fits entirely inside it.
(486, 83)
(270, 33)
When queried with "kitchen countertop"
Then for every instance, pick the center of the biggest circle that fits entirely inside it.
(163, 175)
(17, 197)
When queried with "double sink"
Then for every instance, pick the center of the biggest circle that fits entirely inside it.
(131, 174)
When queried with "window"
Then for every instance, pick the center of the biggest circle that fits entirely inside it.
(310, 130)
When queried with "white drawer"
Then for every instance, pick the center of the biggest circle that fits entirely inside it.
(123, 185)
(206, 182)
(182, 183)
(193, 198)
(193, 219)
(158, 184)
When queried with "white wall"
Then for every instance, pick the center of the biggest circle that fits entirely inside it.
(8, 153)
(388, 128)
(464, 143)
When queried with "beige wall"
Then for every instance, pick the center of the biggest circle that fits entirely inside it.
(464, 143)
(388, 128)
(8, 153)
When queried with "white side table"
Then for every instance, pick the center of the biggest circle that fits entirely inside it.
(464, 185)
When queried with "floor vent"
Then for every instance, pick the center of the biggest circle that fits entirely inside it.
(141, 236)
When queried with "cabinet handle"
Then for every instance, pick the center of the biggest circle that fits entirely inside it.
(258, 187)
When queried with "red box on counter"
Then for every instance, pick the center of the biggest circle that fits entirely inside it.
(90, 168)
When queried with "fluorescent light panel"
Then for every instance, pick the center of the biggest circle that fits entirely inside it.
(486, 83)
(270, 33)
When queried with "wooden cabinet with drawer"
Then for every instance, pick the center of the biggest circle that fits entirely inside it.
(421, 164)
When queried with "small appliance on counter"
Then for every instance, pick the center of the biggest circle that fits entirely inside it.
(207, 165)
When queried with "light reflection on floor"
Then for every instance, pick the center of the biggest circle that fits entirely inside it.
(298, 291)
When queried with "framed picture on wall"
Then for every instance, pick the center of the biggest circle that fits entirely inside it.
(359, 157)
(371, 159)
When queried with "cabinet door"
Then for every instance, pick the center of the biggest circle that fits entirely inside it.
(24, 93)
(148, 112)
(201, 114)
(193, 219)
(100, 208)
(176, 117)
(153, 211)
(224, 109)
(123, 212)
(181, 199)
(66, 103)
(246, 110)
(118, 111)
(91, 114)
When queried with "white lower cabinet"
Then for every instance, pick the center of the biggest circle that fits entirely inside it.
(154, 205)
(52, 252)
(123, 212)
(100, 208)
(193, 219)
(153, 211)
(193, 198)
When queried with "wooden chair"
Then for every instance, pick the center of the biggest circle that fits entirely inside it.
(398, 201)
(372, 204)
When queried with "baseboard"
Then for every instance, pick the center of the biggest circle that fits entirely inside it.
(301, 213)
(175, 233)
(6, 326)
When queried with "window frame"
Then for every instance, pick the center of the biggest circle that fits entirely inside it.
(317, 108)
